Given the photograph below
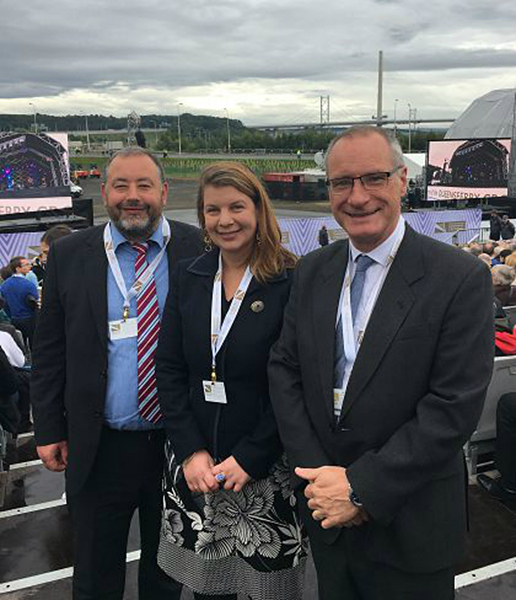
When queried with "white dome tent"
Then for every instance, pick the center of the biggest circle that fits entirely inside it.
(489, 116)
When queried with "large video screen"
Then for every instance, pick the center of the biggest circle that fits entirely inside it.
(34, 172)
(462, 169)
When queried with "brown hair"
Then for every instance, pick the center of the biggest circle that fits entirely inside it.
(269, 257)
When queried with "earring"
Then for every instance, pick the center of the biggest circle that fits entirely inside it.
(258, 239)
(207, 242)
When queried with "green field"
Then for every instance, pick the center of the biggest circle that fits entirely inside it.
(190, 168)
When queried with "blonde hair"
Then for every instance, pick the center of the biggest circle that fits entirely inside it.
(269, 257)
(510, 260)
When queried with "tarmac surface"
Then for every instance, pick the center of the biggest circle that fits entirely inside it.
(36, 554)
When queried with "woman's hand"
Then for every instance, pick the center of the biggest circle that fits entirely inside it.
(197, 470)
(234, 476)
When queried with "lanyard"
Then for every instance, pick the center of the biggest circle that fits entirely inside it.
(352, 342)
(219, 331)
(144, 277)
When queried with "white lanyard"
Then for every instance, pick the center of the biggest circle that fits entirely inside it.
(219, 331)
(352, 343)
(144, 277)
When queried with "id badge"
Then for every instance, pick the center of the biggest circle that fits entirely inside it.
(121, 330)
(214, 391)
(338, 401)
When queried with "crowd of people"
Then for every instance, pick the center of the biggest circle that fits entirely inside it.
(500, 257)
(20, 296)
(245, 402)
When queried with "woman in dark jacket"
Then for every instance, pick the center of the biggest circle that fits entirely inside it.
(230, 522)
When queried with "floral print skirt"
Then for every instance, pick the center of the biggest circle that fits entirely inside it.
(249, 542)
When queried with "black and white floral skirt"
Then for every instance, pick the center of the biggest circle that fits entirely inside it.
(249, 542)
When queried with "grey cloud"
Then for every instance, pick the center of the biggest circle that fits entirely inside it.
(50, 48)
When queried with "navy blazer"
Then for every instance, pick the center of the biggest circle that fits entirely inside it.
(245, 427)
(70, 354)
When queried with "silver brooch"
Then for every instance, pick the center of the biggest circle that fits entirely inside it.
(257, 306)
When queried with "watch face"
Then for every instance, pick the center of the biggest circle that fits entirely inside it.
(354, 499)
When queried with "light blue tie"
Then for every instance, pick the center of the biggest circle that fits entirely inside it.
(362, 263)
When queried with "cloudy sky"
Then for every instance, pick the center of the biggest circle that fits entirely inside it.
(265, 61)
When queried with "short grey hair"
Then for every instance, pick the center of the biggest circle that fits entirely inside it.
(502, 275)
(135, 151)
(364, 130)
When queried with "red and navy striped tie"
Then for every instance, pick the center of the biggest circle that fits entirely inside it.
(147, 310)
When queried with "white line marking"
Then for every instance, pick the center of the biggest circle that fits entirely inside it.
(478, 575)
(32, 508)
(51, 576)
(24, 465)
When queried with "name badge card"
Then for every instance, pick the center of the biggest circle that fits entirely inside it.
(123, 329)
(214, 391)
(338, 401)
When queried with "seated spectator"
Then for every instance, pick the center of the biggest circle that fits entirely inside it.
(504, 254)
(485, 258)
(16, 359)
(14, 354)
(9, 414)
(507, 228)
(504, 487)
(510, 260)
(21, 299)
(503, 277)
(5, 273)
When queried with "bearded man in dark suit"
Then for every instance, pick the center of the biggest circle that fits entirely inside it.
(93, 380)
(377, 381)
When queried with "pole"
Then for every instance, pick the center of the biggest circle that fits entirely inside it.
(409, 127)
(395, 106)
(379, 108)
(228, 131)
(87, 133)
(179, 127)
(35, 117)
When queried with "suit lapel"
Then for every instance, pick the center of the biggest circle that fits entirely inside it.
(326, 294)
(391, 309)
(95, 273)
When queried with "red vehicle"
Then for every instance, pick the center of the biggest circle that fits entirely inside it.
(94, 172)
(80, 173)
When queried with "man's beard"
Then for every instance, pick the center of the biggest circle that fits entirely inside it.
(135, 228)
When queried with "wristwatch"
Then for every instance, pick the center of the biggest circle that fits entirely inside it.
(354, 499)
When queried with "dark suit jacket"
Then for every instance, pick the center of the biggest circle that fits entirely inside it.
(245, 427)
(414, 397)
(70, 359)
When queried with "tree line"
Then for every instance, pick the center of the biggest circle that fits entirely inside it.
(202, 133)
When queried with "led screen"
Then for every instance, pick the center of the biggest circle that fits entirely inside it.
(34, 172)
(462, 169)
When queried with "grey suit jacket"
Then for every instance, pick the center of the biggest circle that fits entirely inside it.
(414, 397)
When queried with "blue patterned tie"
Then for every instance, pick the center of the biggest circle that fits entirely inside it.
(363, 263)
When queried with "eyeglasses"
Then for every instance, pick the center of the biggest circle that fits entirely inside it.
(371, 182)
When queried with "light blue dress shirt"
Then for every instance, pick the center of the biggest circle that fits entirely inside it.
(380, 255)
(121, 406)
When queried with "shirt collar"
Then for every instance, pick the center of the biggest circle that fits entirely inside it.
(119, 239)
(381, 253)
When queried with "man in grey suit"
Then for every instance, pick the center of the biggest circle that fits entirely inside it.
(377, 381)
